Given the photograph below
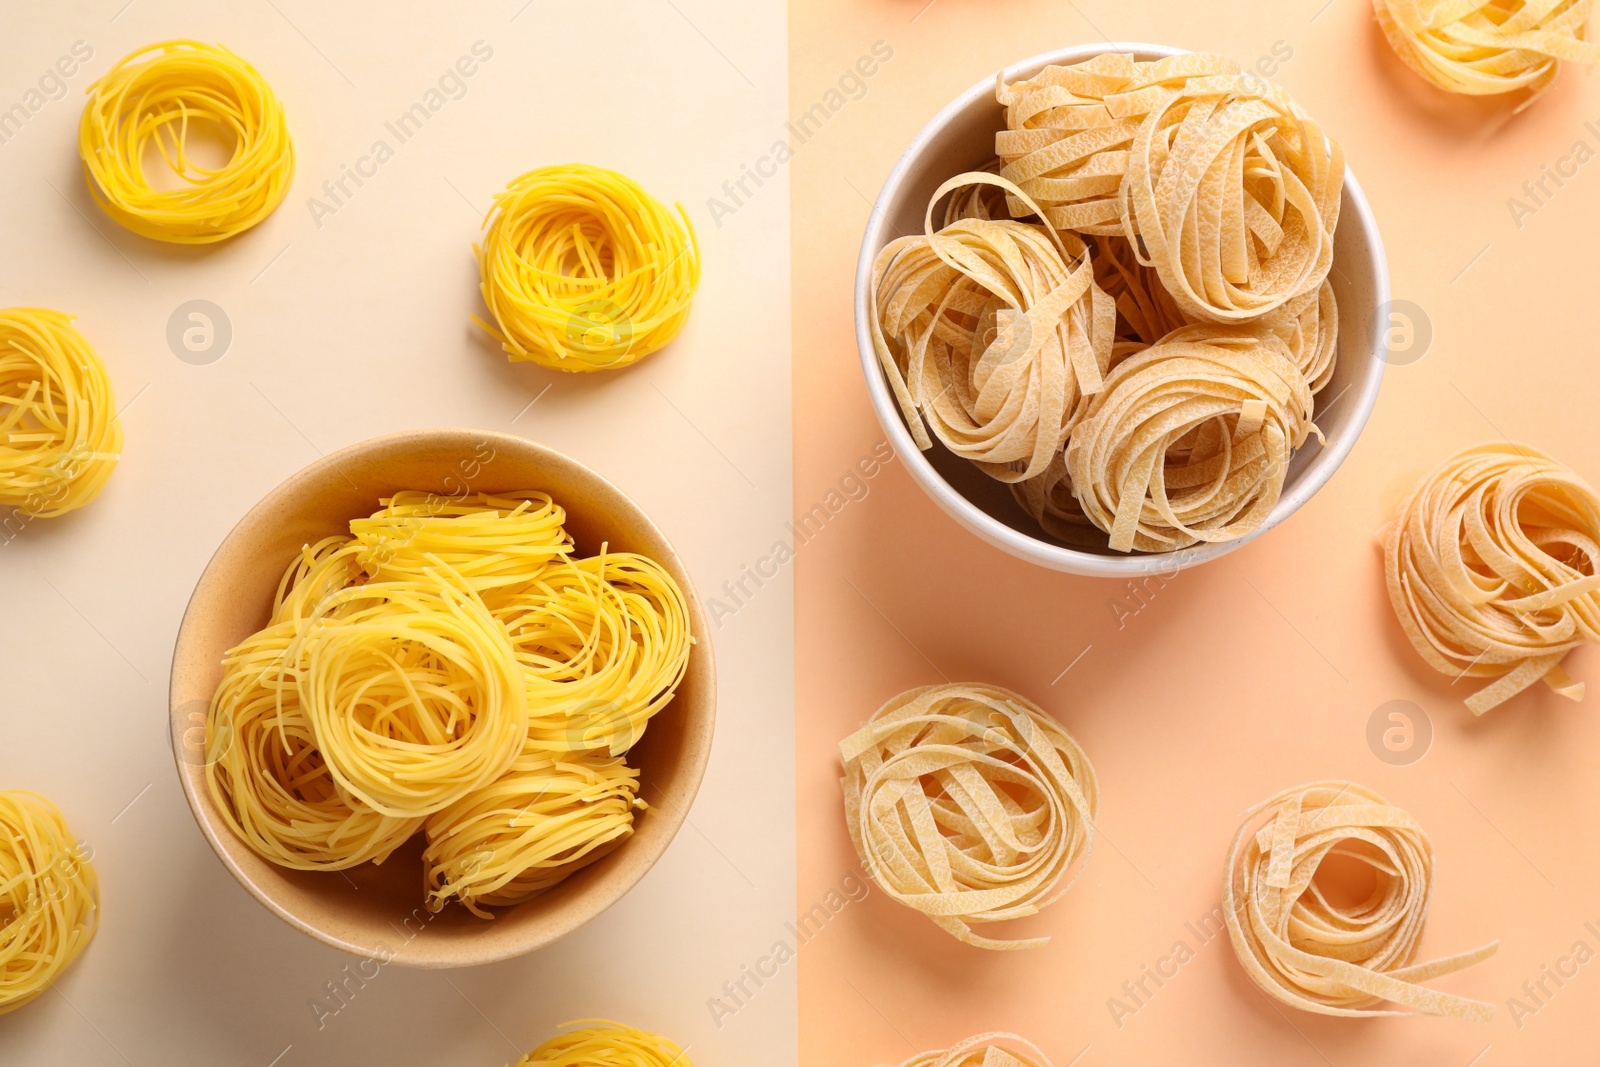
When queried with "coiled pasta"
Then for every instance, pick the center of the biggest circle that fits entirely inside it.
(968, 803)
(544, 818)
(601, 1043)
(984, 1050)
(491, 541)
(1190, 439)
(1228, 189)
(992, 335)
(583, 270)
(60, 437)
(155, 96)
(268, 777)
(1307, 951)
(412, 691)
(49, 897)
(1493, 569)
(1484, 47)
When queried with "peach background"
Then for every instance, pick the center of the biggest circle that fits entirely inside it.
(342, 332)
(1241, 677)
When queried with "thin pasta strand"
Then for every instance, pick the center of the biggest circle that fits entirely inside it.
(603, 1043)
(49, 897)
(1493, 569)
(152, 97)
(1310, 953)
(582, 270)
(969, 804)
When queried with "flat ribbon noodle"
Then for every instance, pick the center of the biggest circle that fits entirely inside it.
(984, 1050)
(1487, 47)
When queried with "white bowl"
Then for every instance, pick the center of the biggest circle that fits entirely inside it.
(961, 138)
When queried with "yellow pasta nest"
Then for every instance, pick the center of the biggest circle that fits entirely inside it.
(49, 898)
(583, 270)
(1484, 47)
(153, 100)
(1493, 568)
(1229, 188)
(992, 335)
(984, 1050)
(969, 804)
(59, 433)
(1313, 953)
(601, 1043)
(546, 817)
(1190, 439)
(451, 666)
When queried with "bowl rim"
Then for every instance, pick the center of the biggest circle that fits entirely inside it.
(1015, 542)
(699, 731)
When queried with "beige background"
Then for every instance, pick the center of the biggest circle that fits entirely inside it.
(357, 328)
(1246, 675)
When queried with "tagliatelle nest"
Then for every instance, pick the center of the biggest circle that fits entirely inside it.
(1493, 569)
(1485, 47)
(1306, 951)
(1190, 439)
(992, 335)
(984, 1050)
(1231, 189)
(969, 804)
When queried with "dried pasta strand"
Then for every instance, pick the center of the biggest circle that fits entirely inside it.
(547, 816)
(984, 1050)
(1493, 569)
(602, 1043)
(1229, 188)
(60, 437)
(1189, 440)
(1486, 47)
(583, 270)
(49, 897)
(992, 335)
(969, 804)
(1307, 952)
(152, 97)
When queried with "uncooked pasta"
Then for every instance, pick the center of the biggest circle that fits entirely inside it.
(984, 1050)
(1493, 569)
(451, 666)
(992, 335)
(152, 102)
(602, 1043)
(49, 897)
(1483, 47)
(583, 270)
(969, 804)
(60, 437)
(1312, 951)
(1190, 439)
(1231, 191)
(547, 816)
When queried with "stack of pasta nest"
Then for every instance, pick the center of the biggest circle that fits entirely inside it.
(455, 668)
(1126, 317)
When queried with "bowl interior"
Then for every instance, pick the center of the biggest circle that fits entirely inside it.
(378, 910)
(961, 138)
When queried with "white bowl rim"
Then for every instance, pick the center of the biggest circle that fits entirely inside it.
(974, 518)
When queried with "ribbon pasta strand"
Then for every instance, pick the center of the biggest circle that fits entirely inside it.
(984, 1050)
(602, 1043)
(60, 437)
(969, 804)
(1493, 569)
(49, 898)
(582, 270)
(152, 99)
(1486, 47)
(1308, 952)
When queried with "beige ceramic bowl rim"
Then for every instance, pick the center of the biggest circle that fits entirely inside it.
(615, 889)
(968, 514)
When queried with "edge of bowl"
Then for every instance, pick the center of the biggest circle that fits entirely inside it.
(699, 734)
(975, 519)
